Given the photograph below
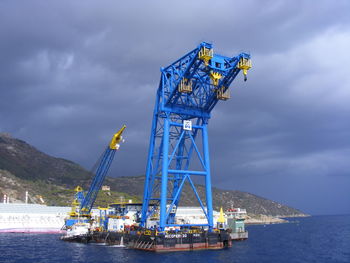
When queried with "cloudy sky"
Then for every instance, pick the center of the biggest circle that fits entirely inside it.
(72, 72)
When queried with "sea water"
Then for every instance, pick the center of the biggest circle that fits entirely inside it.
(312, 239)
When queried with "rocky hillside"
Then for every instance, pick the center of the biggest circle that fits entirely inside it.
(221, 198)
(26, 162)
(22, 167)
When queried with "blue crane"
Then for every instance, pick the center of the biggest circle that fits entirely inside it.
(188, 91)
(82, 204)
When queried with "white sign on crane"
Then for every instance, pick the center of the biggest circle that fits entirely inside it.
(187, 125)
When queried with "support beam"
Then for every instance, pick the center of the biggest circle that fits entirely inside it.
(207, 178)
(164, 189)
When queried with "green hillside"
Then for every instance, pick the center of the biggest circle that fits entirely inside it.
(24, 168)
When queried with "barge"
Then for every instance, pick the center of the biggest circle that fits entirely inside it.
(120, 227)
(167, 241)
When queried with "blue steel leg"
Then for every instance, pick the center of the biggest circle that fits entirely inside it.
(164, 190)
(178, 178)
(146, 191)
(207, 177)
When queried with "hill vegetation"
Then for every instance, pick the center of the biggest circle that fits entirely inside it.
(52, 180)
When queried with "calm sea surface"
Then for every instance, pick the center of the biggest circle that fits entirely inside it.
(314, 239)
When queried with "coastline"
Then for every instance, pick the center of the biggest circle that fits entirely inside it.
(266, 220)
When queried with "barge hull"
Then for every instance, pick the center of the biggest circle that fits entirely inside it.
(163, 243)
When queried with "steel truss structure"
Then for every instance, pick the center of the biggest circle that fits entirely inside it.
(188, 91)
(86, 201)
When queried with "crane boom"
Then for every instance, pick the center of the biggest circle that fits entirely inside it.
(101, 172)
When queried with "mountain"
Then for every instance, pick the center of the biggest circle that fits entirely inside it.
(52, 180)
(26, 162)
(24, 168)
(221, 198)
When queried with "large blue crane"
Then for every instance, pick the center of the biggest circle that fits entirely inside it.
(82, 204)
(188, 91)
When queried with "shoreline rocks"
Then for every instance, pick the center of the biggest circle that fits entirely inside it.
(265, 220)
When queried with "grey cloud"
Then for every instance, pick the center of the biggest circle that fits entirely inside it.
(71, 73)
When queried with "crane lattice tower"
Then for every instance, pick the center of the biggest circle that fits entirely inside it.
(188, 91)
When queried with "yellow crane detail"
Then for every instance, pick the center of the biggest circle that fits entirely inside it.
(244, 64)
(117, 138)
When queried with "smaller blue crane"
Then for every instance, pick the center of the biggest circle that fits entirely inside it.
(82, 204)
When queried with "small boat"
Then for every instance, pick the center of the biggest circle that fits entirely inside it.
(79, 232)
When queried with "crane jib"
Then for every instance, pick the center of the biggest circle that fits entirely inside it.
(83, 204)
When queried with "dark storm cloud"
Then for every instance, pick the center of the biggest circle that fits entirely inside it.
(72, 72)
